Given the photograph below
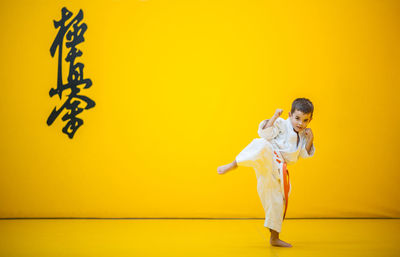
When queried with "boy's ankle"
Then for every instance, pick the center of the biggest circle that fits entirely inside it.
(274, 235)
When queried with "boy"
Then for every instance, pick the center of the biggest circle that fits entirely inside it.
(282, 142)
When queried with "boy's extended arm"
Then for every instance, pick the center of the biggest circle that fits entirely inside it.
(271, 121)
(269, 129)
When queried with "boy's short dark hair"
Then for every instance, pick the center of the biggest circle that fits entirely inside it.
(304, 105)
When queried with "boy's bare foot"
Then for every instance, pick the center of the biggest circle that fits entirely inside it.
(280, 243)
(225, 168)
(275, 241)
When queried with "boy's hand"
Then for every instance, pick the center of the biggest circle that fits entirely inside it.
(278, 112)
(271, 121)
(309, 134)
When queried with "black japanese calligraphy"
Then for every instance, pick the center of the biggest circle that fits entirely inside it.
(73, 32)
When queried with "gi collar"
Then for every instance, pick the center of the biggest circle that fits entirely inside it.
(290, 126)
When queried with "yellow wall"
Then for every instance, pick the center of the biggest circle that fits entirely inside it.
(180, 88)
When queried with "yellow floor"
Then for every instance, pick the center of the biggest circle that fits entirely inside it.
(177, 237)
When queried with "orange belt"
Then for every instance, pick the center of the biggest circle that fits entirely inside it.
(286, 186)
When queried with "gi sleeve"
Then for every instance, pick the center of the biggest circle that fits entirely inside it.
(303, 152)
(270, 132)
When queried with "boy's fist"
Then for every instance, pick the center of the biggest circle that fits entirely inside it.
(278, 112)
(309, 134)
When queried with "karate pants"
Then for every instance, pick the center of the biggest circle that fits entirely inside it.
(268, 165)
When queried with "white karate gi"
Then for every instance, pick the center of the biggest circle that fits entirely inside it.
(259, 154)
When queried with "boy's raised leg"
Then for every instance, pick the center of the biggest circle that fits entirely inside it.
(225, 168)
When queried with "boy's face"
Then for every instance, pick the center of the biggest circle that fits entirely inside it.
(299, 120)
